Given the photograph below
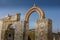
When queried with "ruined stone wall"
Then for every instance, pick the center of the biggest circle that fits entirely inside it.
(13, 20)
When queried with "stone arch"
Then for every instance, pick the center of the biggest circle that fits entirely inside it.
(26, 20)
(35, 9)
(9, 33)
(5, 28)
(11, 26)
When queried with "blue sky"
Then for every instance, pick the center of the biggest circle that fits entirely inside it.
(50, 7)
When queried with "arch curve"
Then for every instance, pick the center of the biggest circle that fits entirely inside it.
(34, 9)
(26, 20)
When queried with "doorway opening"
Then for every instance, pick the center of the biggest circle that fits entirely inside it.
(9, 34)
(32, 24)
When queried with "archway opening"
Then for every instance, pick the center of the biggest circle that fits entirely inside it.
(32, 20)
(9, 33)
(32, 24)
